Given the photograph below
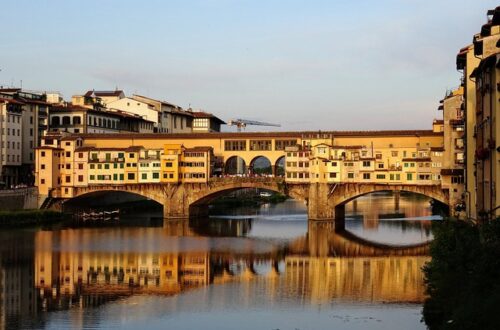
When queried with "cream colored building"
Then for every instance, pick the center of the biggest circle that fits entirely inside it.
(171, 118)
(478, 62)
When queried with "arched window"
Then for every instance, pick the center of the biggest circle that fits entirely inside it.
(77, 120)
(66, 120)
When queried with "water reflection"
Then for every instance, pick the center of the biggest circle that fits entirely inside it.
(247, 261)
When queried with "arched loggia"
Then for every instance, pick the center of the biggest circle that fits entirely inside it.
(235, 165)
(261, 166)
(279, 167)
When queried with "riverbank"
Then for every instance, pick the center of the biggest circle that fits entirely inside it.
(26, 218)
(463, 277)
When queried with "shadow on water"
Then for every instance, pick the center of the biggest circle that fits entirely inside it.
(175, 271)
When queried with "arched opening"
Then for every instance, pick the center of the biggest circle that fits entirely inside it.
(100, 207)
(66, 120)
(261, 166)
(244, 211)
(280, 167)
(391, 217)
(56, 121)
(235, 165)
(77, 120)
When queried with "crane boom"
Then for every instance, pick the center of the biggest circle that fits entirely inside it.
(242, 123)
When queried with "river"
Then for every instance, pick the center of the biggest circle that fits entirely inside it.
(262, 267)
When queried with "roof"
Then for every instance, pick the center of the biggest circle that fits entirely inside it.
(438, 121)
(103, 93)
(89, 148)
(7, 100)
(202, 114)
(248, 135)
(10, 90)
(48, 147)
(199, 149)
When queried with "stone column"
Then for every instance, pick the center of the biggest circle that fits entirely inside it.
(318, 207)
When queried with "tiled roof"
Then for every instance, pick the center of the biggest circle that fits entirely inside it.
(278, 135)
(103, 93)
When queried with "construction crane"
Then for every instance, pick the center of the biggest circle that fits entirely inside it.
(242, 123)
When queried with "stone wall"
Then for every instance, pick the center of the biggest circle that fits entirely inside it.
(18, 199)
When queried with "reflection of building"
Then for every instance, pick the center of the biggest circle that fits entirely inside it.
(65, 272)
(357, 279)
(18, 302)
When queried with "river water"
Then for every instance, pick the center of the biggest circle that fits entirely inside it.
(260, 267)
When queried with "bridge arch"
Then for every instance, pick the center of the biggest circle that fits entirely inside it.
(146, 191)
(349, 192)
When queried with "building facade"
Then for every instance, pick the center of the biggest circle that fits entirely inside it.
(390, 157)
(478, 63)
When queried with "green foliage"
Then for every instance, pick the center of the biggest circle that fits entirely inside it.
(463, 277)
(9, 219)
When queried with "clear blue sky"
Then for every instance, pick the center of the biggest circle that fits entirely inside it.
(329, 65)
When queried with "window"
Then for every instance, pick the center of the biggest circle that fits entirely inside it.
(42, 181)
(68, 153)
(366, 163)
(350, 175)
(156, 175)
(131, 176)
(168, 164)
(366, 176)
(68, 179)
(121, 177)
(131, 155)
(235, 145)
(42, 166)
(394, 153)
(92, 177)
(380, 176)
(380, 165)
(92, 166)
(409, 176)
(333, 175)
(144, 176)
(42, 154)
(80, 166)
(80, 178)
(106, 166)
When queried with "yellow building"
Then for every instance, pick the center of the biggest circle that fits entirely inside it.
(388, 157)
(170, 163)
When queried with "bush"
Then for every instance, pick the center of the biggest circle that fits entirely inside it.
(463, 277)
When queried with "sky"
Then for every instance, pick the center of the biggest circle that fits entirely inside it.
(304, 64)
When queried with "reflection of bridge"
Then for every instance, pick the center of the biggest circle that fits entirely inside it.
(100, 276)
(324, 201)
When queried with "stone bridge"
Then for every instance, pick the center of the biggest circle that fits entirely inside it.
(324, 201)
